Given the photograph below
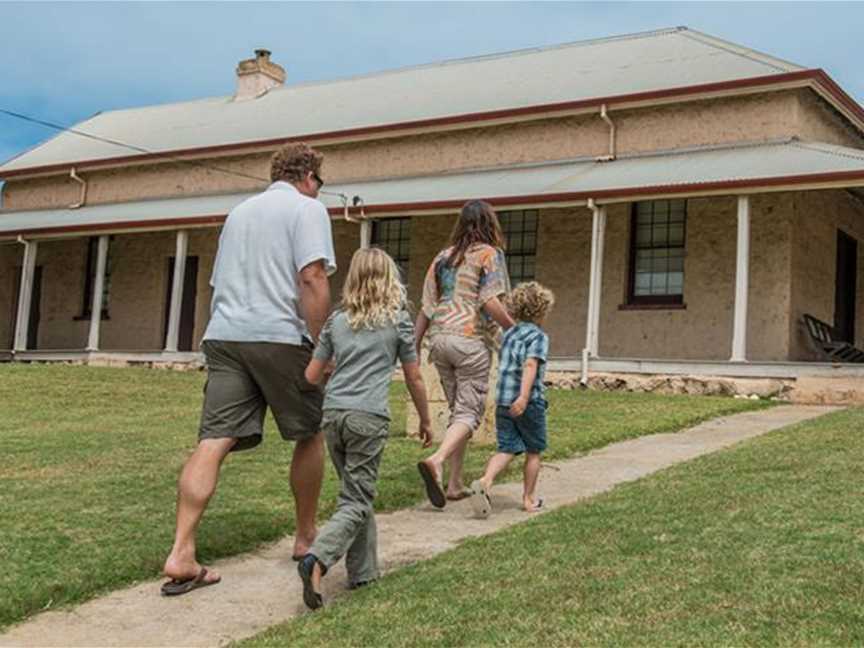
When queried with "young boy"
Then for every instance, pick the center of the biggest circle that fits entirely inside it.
(521, 414)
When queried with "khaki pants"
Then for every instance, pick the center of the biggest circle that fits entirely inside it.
(356, 442)
(463, 367)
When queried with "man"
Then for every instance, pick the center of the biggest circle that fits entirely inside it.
(270, 299)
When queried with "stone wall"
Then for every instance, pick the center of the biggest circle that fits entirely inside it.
(703, 328)
(691, 123)
(811, 390)
(139, 274)
(11, 256)
(819, 122)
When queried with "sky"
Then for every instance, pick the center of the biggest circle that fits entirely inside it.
(64, 62)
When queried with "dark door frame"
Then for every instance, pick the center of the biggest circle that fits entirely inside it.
(188, 304)
(845, 287)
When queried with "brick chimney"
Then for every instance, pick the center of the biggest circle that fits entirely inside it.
(257, 75)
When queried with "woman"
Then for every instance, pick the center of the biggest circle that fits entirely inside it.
(462, 313)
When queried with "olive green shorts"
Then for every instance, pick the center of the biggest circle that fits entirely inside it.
(245, 378)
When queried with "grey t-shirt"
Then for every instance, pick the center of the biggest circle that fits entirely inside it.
(364, 362)
(265, 242)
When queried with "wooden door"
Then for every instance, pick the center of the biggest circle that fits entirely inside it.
(845, 287)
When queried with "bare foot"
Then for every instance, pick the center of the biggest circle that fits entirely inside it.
(303, 543)
(178, 570)
(530, 505)
(454, 494)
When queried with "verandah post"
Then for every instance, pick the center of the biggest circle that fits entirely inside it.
(25, 295)
(98, 289)
(172, 336)
(742, 282)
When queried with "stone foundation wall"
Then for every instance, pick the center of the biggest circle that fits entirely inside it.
(803, 390)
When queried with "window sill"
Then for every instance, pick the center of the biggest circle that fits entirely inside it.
(652, 307)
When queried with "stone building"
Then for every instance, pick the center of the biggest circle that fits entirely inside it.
(688, 199)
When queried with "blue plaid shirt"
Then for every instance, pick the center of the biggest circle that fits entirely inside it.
(523, 341)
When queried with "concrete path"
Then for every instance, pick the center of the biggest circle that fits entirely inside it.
(261, 589)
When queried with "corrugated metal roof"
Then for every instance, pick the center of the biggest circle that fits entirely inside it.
(672, 172)
(583, 70)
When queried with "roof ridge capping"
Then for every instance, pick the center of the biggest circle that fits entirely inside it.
(524, 51)
(734, 48)
(432, 64)
(830, 149)
(420, 66)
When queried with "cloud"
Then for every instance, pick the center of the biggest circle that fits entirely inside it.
(74, 59)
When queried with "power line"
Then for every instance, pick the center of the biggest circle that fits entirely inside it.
(140, 149)
(132, 147)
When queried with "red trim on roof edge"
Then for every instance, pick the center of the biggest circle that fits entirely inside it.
(719, 185)
(833, 88)
(719, 86)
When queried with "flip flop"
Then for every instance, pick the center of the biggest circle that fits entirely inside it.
(538, 507)
(480, 500)
(433, 489)
(311, 598)
(465, 492)
(175, 586)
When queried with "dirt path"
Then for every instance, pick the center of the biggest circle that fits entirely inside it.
(261, 589)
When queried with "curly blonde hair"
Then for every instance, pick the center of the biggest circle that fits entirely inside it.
(373, 295)
(530, 302)
(294, 161)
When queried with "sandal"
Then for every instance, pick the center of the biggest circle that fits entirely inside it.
(175, 586)
(311, 598)
(480, 500)
(433, 489)
(465, 492)
(537, 508)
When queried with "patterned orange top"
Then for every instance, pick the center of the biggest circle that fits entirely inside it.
(453, 298)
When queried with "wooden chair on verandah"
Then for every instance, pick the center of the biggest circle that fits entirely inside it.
(825, 340)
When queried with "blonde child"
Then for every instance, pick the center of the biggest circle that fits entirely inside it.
(520, 417)
(363, 339)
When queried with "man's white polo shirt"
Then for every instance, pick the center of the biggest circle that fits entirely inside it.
(265, 242)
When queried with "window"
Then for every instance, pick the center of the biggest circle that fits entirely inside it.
(89, 278)
(657, 239)
(393, 235)
(520, 233)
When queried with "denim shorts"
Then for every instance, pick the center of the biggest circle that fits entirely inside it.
(526, 433)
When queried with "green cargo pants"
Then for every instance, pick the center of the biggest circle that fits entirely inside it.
(356, 442)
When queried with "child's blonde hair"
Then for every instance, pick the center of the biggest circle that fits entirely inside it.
(530, 302)
(373, 294)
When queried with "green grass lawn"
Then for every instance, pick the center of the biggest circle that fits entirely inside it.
(761, 544)
(89, 459)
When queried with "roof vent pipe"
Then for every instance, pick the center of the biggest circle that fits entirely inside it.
(605, 117)
(83, 196)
